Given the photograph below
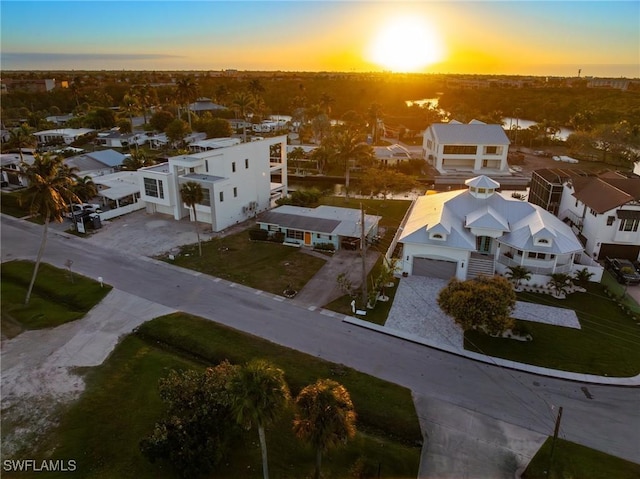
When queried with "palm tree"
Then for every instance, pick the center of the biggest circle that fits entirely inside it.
(85, 188)
(243, 103)
(324, 417)
(50, 189)
(559, 282)
(20, 138)
(374, 113)
(259, 394)
(582, 276)
(255, 87)
(346, 146)
(136, 161)
(192, 194)
(518, 274)
(144, 96)
(186, 90)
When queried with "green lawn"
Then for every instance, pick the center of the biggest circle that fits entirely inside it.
(573, 461)
(103, 429)
(607, 344)
(10, 205)
(58, 296)
(262, 265)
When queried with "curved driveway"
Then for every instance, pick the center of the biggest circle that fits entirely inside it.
(603, 417)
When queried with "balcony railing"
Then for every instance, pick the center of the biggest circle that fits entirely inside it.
(559, 268)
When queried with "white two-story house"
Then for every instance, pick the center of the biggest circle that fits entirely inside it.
(238, 181)
(475, 147)
(604, 211)
(476, 231)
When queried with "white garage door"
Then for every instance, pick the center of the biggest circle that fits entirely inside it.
(434, 268)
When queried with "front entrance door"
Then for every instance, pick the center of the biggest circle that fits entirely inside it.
(483, 244)
(307, 238)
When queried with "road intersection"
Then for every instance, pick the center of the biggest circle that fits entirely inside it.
(607, 419)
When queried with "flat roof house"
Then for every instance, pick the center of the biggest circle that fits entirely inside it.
(238, 181)
(475, 147)
(341, 227)
(476, 231)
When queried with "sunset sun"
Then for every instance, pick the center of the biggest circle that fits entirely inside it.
(405, 44)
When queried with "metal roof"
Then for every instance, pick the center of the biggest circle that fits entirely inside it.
(469, 134)
(522, 222)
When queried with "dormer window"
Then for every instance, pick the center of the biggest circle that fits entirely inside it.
(542, 242)
(437, 236)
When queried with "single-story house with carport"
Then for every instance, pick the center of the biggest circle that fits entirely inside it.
(341, 227)
(101, 162)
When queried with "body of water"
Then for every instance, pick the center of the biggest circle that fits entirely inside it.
(522, 124)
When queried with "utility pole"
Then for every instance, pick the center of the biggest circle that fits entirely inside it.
(553, 442)
(363, 251)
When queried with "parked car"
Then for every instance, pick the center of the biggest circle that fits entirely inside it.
(623, 270)
(83, 208)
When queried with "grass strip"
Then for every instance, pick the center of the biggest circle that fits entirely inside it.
(607, 345)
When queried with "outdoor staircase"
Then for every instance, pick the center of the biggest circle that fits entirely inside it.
(480, 264)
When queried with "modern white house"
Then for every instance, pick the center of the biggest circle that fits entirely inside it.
(604, 211)
(340, 227)
(475, 147)
(239, 181)
(115, 139)
(466, 233)
(66, 135)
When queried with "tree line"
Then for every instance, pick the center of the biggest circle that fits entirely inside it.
(207, 411)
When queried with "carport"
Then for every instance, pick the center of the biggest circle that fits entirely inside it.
(434, 268)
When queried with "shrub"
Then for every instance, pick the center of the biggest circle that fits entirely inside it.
(257, 234)
(324, 246)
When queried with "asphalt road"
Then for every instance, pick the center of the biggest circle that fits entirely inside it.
(603, 417)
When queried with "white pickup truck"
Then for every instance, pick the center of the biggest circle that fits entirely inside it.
(76, 209)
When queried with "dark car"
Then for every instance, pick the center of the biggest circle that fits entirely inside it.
(624, 270)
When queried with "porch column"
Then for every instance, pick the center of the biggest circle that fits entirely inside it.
(555, 263)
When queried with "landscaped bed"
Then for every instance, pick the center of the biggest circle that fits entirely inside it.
(121, 404)
(607, 344)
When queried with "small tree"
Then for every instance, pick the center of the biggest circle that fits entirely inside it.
(559, 282)
(518, 274)
(582, 277)
(325, 417)
(197, 430)
(192, 194)
(483, 304)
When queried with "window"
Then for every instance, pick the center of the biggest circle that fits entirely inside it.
(459, 149)
(491, 150)
(233, 166)
(246, 163)
(206, 166)
(533, 255)
(610, 220)
(153, 187)
(543, 241)
(629, 224)
(221, 196)
(295, 234)
(430, 144)
(235, 191)
(593, 212)
(206, 197)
